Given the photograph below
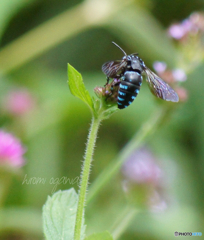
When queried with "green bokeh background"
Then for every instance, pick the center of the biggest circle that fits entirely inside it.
(56, 131)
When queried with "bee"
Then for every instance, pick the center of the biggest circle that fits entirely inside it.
(129, 72)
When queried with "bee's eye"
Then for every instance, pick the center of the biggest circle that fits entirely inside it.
(128, 58)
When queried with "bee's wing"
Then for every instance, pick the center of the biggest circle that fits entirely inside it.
(113, 68)
(159, 88)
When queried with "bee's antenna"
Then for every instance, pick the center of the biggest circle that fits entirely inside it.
(120, 48)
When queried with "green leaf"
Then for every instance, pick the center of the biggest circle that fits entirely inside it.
(100, 236)
(77, 87)
(59, 215)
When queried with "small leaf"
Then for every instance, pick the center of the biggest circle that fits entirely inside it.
(77, 87)
(59, 215)
(100, 236)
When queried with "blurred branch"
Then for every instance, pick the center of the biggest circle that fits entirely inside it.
(8, 9)
(123, 221)
(56, 30)
(145, 131)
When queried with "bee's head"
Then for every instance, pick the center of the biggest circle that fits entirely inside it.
(131, 57)
(135, 62)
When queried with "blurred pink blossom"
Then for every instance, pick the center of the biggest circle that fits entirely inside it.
(176, 31)
(179, 75)
(197, 21)
(141, 168)
(142, 181)
(169, 76)
(11, 150)
(189, 26)
(18, 102)
(159, 66)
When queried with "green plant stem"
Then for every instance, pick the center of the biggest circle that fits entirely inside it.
(123, 221)
(85, 175)
(42, 38)
(56, 30)
(147, 129)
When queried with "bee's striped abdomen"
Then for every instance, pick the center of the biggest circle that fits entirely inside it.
(129, 88)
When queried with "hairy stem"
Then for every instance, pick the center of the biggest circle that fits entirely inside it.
(85, 175)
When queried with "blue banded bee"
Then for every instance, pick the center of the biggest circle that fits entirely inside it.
(129, 73)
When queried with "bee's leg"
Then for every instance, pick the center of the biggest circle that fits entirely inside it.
(108, 79)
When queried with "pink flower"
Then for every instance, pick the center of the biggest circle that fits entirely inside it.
(142, 182)
(179, 75)
(18, 102)
(197, 22)
(159, 66)
(192, 25)
(170, 76)
(187, 25)
(11, 150)
(177, 31)
(142, 168)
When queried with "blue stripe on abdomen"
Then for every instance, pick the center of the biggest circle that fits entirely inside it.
(127, 94)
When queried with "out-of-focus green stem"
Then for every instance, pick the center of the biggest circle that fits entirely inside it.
(123, 221)
(147, 129)
(56, 30)
(41, 39)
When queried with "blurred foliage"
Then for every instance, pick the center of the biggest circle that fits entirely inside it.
(55, 131)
